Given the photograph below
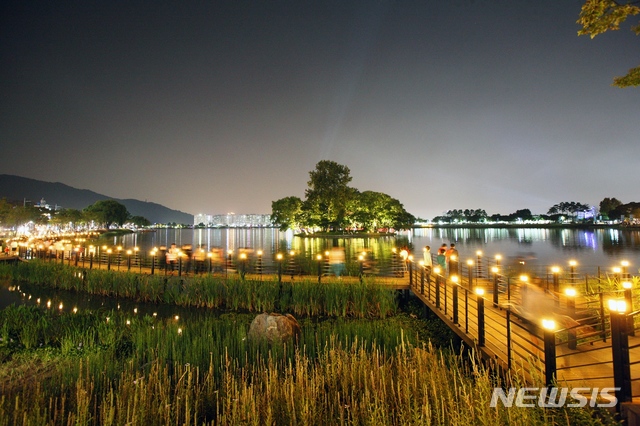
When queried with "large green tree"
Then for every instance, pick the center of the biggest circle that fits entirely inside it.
(372, 210)
(607, 205)
(107, 212)
(331, 203)
(328, 195)
(286, 212)
(599, 16)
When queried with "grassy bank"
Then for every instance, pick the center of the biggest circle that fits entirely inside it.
(360, 360)
(81, 368)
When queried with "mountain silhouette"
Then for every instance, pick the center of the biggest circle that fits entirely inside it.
(18, 189)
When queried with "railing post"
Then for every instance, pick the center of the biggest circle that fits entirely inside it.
(466, 311)
(571, 306)
(620, 353)
(455, 303)
(495, 287)
(422, 279)
(602, 318)
(480, 300)
(410, 272)
(550, 365)
(444, 287)
(438, 278)
(508, 325)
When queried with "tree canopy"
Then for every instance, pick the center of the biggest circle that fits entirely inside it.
(108, 212)
(599, 16)
(331, 204)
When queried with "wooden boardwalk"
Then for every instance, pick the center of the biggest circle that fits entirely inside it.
(583, 349)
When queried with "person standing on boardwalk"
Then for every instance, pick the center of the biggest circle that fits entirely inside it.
(452, 260)
(441, 259)
(426, 259)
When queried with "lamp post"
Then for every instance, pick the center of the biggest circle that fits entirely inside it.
(498, 259)
(109, 251)
(279, 257)
(437, 270)
(470, 272)
(480, 301)
(620, 350)
(243, 265)
(154, 253)
(129, 252)
(456, 283)
(292, 263)
(495, 270)
(119, 248)
(319, 260)
(550, 366)
(360, 266)
(260, 263)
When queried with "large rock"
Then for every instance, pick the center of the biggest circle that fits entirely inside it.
(274, 328)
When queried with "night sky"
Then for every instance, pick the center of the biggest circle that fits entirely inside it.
(220, 106)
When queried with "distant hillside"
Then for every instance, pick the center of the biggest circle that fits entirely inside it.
(16, 188)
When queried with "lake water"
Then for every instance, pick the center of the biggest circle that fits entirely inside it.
(590, 248)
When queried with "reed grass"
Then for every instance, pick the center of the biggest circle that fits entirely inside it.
(365, 299)
(142, 370)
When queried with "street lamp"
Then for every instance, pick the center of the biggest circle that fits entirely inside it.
(129, 253)
(495, 270)
(109, 251)
(279, 257)
(243, 265)
(470, 272)
(119, 256)
(620, 349)
(455, 281)
(259, 253)
(154, 253)
(319, 259)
